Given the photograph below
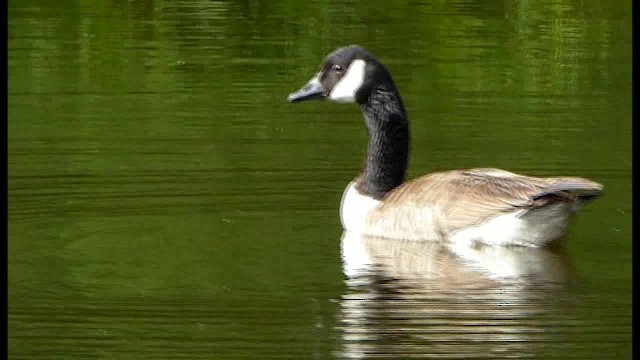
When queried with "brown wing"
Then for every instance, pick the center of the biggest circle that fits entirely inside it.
(462, 198)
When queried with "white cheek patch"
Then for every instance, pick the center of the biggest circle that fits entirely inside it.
(345, 90)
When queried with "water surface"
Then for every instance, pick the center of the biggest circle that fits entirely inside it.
(165, 201)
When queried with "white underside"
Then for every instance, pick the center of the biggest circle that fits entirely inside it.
(535, 227)
(524, 227)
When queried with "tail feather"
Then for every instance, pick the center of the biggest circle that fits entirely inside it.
(585, 190)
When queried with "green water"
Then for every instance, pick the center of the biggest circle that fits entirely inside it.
(165, 201)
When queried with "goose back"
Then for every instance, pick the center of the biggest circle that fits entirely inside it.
(479, 204)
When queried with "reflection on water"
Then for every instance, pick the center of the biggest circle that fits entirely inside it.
(408, 298)
(166, 202)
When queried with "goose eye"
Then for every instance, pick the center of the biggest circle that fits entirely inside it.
(336, 67)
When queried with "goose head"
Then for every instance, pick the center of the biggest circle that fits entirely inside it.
(347, 75)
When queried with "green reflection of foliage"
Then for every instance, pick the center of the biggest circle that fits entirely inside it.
(150, 141)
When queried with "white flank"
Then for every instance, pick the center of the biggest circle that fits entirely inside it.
(345, 90)
(354, 208)
(532, 228)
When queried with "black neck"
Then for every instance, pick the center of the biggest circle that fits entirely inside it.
(388, 148)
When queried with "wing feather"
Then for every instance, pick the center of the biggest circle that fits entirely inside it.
(462, 198)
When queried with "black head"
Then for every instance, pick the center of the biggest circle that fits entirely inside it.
(348, 74)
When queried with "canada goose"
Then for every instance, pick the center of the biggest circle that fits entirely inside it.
(491, 206)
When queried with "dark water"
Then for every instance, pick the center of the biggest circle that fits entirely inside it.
(165, 201)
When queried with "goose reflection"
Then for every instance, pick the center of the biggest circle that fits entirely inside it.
(426, 299)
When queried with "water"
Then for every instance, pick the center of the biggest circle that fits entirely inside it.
(165, 201)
